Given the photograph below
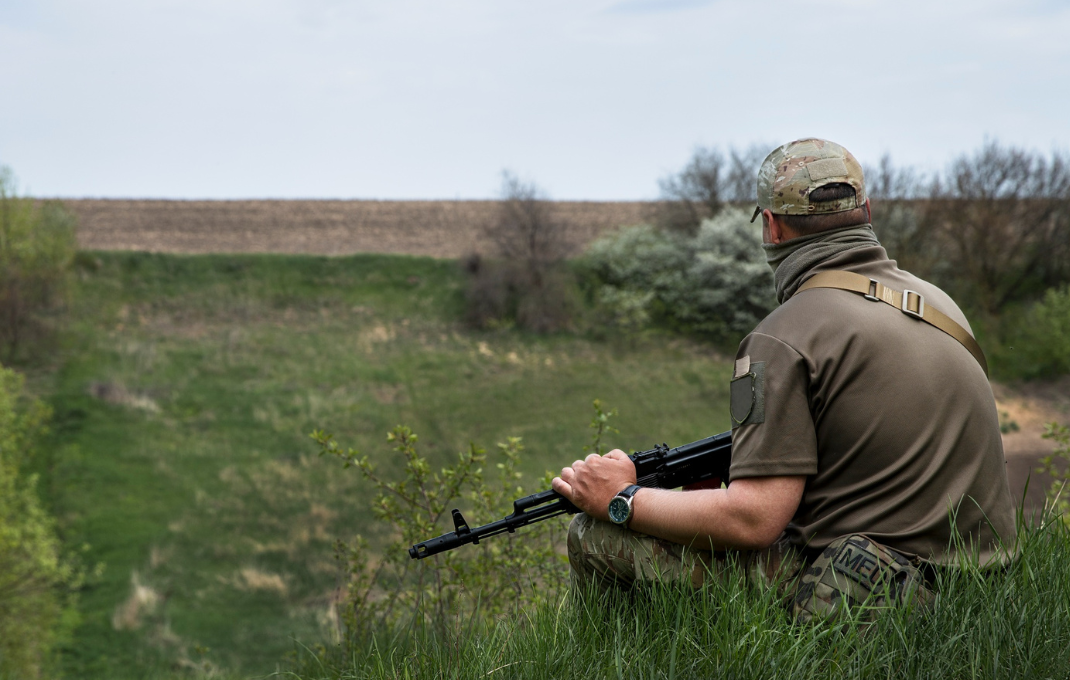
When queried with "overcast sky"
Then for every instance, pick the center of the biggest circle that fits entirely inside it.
(592, 99)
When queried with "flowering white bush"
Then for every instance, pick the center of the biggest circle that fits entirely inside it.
(715, 283)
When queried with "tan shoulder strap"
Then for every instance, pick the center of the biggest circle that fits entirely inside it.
(909, 302)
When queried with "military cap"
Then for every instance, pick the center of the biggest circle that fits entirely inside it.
(793, 170)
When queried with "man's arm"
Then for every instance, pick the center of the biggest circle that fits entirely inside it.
(750, 514)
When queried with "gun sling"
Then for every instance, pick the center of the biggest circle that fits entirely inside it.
(909, 302)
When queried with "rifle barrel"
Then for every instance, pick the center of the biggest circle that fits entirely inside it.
(526, 510)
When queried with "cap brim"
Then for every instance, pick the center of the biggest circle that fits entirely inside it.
(757, 211)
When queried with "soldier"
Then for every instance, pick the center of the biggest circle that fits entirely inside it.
(866, 449)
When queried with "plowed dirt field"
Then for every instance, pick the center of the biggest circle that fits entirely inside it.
(435, 228)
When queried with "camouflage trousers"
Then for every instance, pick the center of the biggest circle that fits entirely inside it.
(852, 571)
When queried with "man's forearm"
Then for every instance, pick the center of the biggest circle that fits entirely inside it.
(749, 515)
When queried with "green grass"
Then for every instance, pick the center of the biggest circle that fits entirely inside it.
(1013, 624)
(184, 391)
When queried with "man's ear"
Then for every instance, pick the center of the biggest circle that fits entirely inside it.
(774, 229)
(869, 211)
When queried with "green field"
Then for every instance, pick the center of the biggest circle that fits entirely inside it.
(184, 390)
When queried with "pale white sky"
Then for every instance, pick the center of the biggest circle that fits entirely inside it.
(592, 99)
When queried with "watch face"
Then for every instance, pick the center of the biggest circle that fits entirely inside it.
(619, 509)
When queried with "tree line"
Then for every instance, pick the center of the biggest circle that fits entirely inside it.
(992, 229)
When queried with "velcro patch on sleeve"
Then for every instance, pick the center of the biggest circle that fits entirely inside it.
(747, 396)
(742, 367)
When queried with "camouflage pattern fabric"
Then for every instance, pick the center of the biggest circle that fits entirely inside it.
(851, 572)
(793, 170)
(607, 555)
(856, 571)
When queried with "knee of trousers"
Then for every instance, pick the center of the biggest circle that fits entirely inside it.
(605, 551)
(590, 540)
(577, 528)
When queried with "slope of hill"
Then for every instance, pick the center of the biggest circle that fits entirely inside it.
(183, 398)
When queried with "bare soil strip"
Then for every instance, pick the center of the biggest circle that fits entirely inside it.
(1031, 406)
(448, 229)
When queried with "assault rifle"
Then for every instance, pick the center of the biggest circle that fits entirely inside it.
(659, 468)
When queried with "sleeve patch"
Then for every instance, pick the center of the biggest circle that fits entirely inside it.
(747, 396)
(742, 367)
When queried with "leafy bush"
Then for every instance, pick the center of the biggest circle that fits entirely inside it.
(1057, 466)
(32, 572)
(715, 283)
(471, 585)
(499, 576)
(1047, 334)
(501, 294)
(1030, 340)
(37, 247)
(524, 283)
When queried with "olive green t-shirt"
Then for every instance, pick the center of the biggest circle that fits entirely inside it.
(892, 420)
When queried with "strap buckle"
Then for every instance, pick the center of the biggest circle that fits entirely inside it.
(872, 294)
(921, 304)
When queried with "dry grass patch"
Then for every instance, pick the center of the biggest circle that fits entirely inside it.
(142, 602)
(117, 393)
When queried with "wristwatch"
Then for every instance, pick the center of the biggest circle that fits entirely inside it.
(620, 506)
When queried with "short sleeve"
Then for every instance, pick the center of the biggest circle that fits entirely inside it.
(774, 433)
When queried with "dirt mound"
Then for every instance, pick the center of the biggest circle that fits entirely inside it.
(436, 228)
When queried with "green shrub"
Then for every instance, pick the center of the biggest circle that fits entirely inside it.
(1047, 333)
(37, 247)
(472, 585)
(524, 284)
(1057, 466)
(1030, 341)
(502, 575)
(501, 294)
(32, 572)
(715, 283)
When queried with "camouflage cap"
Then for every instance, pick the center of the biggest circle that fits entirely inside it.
(793, 170)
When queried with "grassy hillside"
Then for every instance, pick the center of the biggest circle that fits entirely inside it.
(184, 392)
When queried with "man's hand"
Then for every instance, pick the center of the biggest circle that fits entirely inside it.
(591, 483)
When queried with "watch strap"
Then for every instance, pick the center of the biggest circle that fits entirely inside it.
(629, 491)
